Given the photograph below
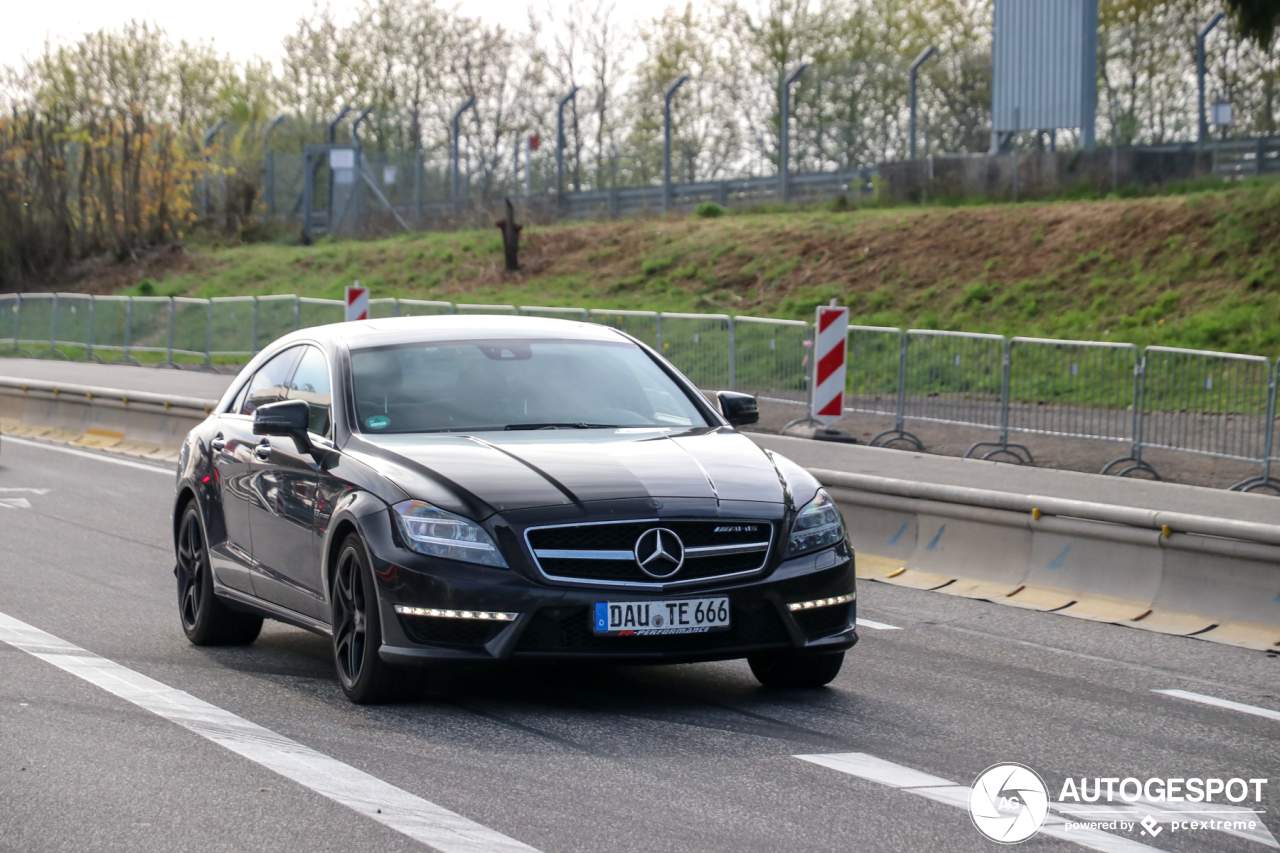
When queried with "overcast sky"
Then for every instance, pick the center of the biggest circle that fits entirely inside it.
(242, 28)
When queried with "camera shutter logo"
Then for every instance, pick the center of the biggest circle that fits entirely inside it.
(1008, 803)
(659, 552)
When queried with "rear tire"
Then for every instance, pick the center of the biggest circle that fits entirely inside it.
(788, 669)
(205, 620)
(357, 629)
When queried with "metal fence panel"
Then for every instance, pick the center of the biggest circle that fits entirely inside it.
(36, 330)
(320, 312)
(9, 320)
(424, 308)
(111, 324)
(1210, 403)
(149, 324)
(277, 316)
(232, 318)
(191, 326)
(874, 364)
(645, 326)
(699, 347)
(484, 309)
(1076, 389)
(954, 377)
(75, 320)
(555, 313)
(382, 308)
(770, 359)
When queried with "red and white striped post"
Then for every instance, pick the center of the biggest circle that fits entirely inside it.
(357, 302)
(830, 351)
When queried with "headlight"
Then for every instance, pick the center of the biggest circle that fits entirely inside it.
(437, 533)
(817, 526)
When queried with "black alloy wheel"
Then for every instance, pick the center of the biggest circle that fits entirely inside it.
(789, 669)
(205, 620)
(357, 629)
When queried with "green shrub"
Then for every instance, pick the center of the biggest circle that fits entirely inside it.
(708, 210)
(656, 265)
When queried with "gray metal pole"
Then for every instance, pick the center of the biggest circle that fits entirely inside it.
(88, 355)
(1201, 71)
(308, 194)
(331, 137)
(358, 222)
(208, 140)
(666, 141)
(254, 345)
(457, 132)
(560, 146)
(914, 71)
(784, 136)
(1013, 141)
(269, 166)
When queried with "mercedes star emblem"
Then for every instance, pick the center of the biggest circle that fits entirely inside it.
(659, 553)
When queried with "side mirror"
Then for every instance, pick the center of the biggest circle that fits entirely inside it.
(286, 418)
(738, 409)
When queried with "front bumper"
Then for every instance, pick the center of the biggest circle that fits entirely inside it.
(554, 620)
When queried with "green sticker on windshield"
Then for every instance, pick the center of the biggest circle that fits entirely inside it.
(378, 422)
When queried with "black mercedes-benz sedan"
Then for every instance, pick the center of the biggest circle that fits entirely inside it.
(477, 488)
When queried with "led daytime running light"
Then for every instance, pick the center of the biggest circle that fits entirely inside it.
(485, 615)
(819, 602)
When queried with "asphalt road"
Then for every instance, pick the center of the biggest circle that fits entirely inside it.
(686, 758)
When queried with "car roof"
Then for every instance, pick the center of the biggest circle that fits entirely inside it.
(390, 331)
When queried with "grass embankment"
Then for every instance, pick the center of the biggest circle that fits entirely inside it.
(1201, 270)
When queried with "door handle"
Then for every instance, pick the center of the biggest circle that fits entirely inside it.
(218, 443)
(263, 450)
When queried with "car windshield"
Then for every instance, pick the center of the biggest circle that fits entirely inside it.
(471, 386)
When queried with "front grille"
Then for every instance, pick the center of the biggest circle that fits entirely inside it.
(441, 631)
(587, 543)
(568, 629)
(823, 621)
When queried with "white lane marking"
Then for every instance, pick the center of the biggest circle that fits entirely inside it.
(949, 793)
(101, 457)
(23, 489)
(879, 626)
(15, 503)
(1222, 703)
(417, 818)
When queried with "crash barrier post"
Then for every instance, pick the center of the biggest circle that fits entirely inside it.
(770, 358)
(1071, 389)
(959, 378)
(555, 313)
(645, 326)
(1207, 403)
(877, 380)
(701, 347)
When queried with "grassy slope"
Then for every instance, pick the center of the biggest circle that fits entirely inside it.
(1200, 270)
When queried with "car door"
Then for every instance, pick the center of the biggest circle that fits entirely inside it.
(233, 447)
(283, 522)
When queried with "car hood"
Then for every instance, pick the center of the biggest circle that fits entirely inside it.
(523, 470)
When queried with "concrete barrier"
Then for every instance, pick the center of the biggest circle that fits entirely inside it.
(137, 423)
(1177, 573)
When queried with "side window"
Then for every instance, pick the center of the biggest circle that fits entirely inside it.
(311, 383)
(238, 403)
(269, 384)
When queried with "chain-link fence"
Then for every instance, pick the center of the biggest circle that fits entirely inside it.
(1213, 404)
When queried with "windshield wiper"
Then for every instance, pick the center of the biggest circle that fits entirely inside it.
(578, 425)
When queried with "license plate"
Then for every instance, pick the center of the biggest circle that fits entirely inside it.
(649, 618)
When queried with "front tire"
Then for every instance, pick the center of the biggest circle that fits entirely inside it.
(788, 669)
(357, 629)
(205, 620)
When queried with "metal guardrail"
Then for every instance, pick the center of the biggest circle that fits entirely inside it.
(1215, 404)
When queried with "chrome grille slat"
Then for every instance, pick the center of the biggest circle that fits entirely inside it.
(606, 564)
